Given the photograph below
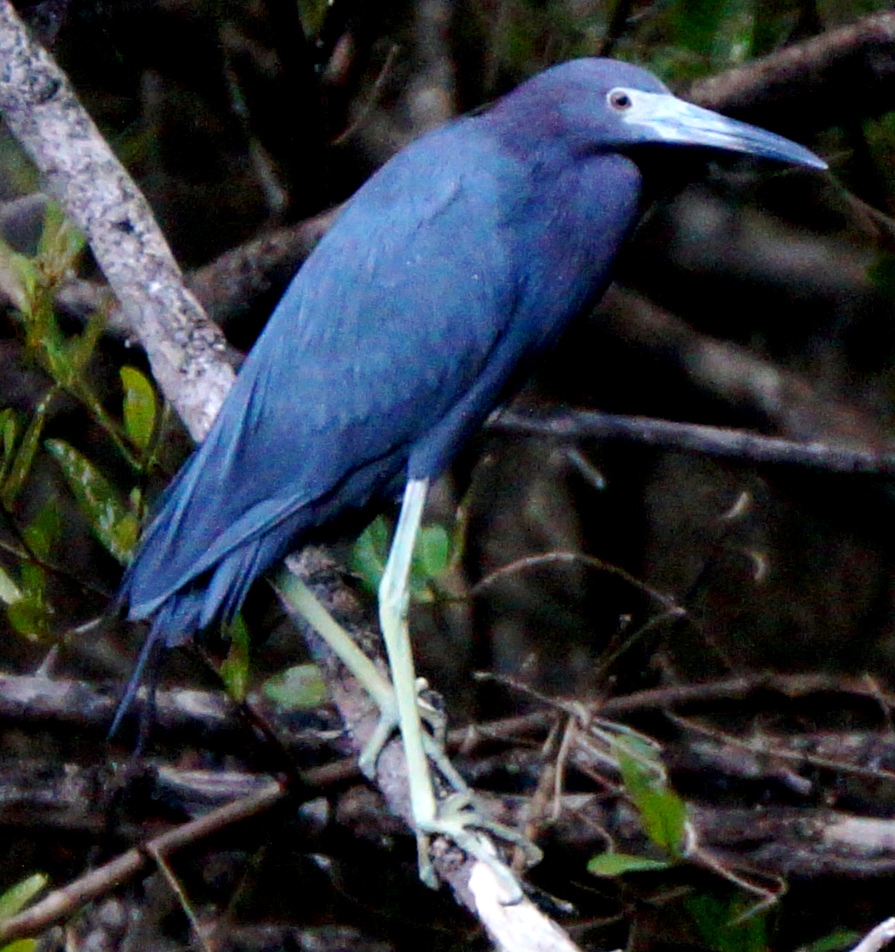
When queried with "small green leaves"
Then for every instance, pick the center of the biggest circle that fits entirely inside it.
(17, 466)
(299, 688)
(139, 407)
(14, 900)
(662, 811)
(60, 245)
(431, 557)
(725, 925)
(65, 358)
(112, 523)
(31, 614)
(234, 670)
(619, 864)
(42, 534)
(369, 553)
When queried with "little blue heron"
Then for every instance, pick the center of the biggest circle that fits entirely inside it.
(442, 280)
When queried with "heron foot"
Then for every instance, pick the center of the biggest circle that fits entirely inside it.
(458, 816)
(462, 820)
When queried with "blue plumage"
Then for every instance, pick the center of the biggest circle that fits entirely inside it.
(444, 277)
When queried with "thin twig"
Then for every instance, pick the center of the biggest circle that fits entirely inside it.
(63, 903)
(568, 425)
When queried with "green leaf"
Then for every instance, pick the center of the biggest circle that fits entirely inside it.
(235, 668)
(618, 864)
(59, 245)
(139, 407)
(838, 939)
(42, 534)
(663, 812)
(664, 817)
(299, 688)
(81, 347)
(432, 555)
(18, 277)
(10, 593)
(8, 429)
(29, 617)
(57, 358)
(369, 553)
(112, 523)
(17, 897)
(24, 457)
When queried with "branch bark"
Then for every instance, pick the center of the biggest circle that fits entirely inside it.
(81, 172)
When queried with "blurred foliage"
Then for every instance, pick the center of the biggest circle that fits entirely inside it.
(833, 942)
(726, 925)
(234, 670)
(66, 360)
(299, 688)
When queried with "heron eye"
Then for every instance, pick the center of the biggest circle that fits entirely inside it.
(619, 100)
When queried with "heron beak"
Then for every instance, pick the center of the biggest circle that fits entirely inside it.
(666, 118)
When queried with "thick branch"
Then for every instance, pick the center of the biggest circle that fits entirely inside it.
(84, 176)
(846, 73)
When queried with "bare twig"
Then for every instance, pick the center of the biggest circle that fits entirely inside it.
(567, 425)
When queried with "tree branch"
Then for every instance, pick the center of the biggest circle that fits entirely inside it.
(845, 73)
(84, 176)
(565, 424)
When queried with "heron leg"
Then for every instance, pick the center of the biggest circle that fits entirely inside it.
(400, 707)
(303, 600)
(456, 816)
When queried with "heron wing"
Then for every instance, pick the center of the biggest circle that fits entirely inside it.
(386, 326)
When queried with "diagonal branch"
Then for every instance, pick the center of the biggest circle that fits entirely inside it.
(82, 173)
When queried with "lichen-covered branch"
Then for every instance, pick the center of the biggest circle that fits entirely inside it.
(82, 173)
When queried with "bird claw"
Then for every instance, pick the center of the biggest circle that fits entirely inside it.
(461, 820)
(458, 816)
